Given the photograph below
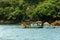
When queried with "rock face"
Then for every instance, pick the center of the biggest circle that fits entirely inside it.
(56, 23)
(46, 24)
(6, 22)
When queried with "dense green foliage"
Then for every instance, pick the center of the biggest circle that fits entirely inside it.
(18, 10)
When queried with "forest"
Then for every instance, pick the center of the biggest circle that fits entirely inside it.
(18, 10)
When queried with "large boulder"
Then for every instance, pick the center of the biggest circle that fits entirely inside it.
(46, 24)
(56, 23)
(1, 21)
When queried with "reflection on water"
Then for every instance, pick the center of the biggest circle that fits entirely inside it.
(15, 32)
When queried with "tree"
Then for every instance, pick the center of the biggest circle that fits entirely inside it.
(46, 10)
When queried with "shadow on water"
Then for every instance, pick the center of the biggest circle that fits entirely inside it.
(22, 27)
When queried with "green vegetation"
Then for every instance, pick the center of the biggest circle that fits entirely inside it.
(17, 10)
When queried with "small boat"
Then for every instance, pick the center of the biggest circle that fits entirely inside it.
(36, 25)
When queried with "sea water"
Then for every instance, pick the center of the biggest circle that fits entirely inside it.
(17, 32)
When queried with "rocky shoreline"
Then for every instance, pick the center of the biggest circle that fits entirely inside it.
(55, 23)
(27, 23)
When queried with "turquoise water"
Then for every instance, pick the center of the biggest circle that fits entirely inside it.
(17, 32)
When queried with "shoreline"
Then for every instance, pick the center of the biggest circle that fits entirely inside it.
(55, 23)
